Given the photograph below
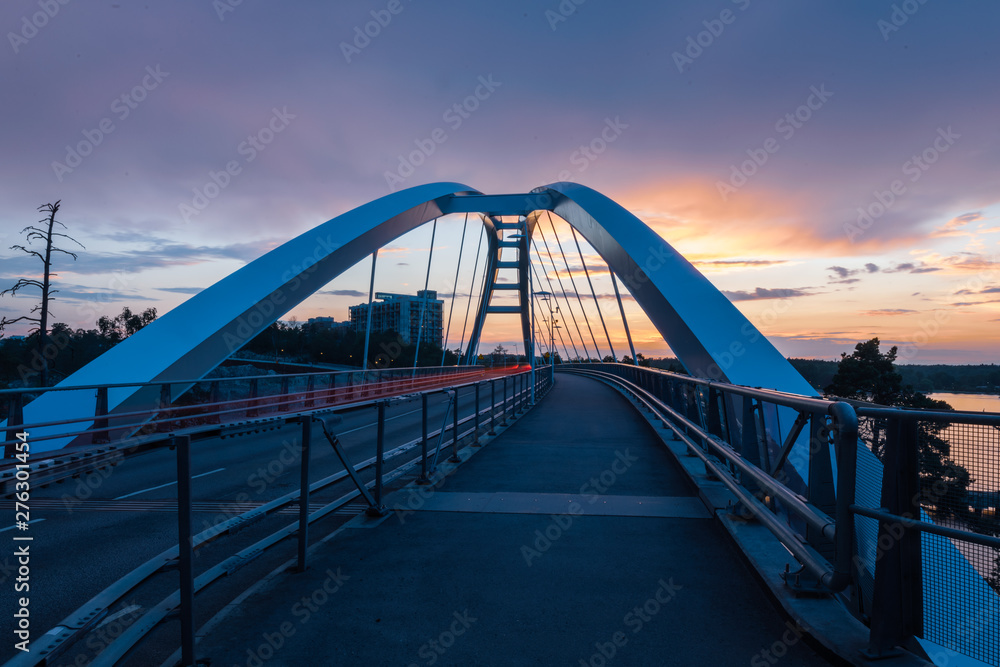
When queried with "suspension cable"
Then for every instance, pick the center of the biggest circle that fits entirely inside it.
(628, 334)
(423, 302)
(572, 281)
(552, 313)
(454, 290)
(593, 293)
(552, 289)
(565, 294)
(368, 326)
(472, 287)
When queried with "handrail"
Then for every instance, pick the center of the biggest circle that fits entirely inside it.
(835, 579)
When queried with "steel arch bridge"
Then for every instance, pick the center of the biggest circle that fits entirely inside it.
(710, 337)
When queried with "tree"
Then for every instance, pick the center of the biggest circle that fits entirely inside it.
(48, 235)
(869, 375)
(116, 329)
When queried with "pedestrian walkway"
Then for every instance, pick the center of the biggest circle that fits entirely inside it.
(572, 539)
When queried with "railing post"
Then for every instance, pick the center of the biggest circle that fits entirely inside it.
(185, 554)
(100, 436)
(475, 426)
(897, 606)
(163, 427)
(454, 448)
(379, 509)
(15, 417)
(304, 492)
(493, 407)
(215, 397)
(310, 388)
(503, 412)
(283, 404)
(252, 402)
(423, 441)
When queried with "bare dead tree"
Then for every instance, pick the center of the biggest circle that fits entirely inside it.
(40, 313)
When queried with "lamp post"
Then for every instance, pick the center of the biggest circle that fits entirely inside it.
(553, 325)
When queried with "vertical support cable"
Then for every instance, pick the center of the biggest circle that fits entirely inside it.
(454, 290)
(368, 326)
(552, 291)
(562, 288)
(597, 304)
(423, 302)
(472, 288)
(572, 282)
(628, 334)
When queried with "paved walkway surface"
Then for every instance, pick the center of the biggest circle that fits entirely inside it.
(572, 539)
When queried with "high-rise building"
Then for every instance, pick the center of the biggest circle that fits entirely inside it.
(401, 313)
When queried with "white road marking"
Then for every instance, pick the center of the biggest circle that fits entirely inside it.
(162, 486)
(375, 422)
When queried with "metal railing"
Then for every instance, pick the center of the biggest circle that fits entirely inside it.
(488, 412)
(798, 475)
(171, 406)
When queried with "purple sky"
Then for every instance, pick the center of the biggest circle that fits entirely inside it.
(874, 84)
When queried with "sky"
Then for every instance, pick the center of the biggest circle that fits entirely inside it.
(831, 167)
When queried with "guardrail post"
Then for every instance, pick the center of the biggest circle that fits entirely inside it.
(310, 388)
(185, 554)
(252, 398)
(304, 492)
(215, 397)
(475, 426)
(164, 406)
(493, 407)
(454, 447)
(423, 441)
(15, 417)
(898, 605)
(283, 404)
(821, 491)
(379, 509)
(503, 412)
(100, 436)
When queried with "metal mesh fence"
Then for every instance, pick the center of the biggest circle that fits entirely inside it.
(960, 488)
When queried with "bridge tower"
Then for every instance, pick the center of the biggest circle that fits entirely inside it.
(514, 237)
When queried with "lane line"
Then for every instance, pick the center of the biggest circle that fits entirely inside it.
(163, 486)
(376, 422)
(3, 530)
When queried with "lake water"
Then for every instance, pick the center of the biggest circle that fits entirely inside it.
(970, 402)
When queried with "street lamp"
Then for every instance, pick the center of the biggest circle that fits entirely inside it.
(547, 297)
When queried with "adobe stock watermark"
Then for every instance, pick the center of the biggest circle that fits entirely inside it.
(122, 106)
(248, 149)
(30, 25)
(369, 31)
(454, 117)
(899, 17)
(223, 7)
(561, 523)
(432, 650)
(302, 610)
(913, 169)
(786, 127)
(562, 12)
(772, 654)
(697, 43)
(635, 620)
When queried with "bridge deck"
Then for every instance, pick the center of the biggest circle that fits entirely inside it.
(482, 573)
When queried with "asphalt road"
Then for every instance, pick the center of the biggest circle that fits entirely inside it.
(89, 532)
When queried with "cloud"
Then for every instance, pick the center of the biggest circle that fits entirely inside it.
(841, 271)
(181, 290)
(160, 255)
(344, 292)
(763, 293)
(872, 268)
(888, 311)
